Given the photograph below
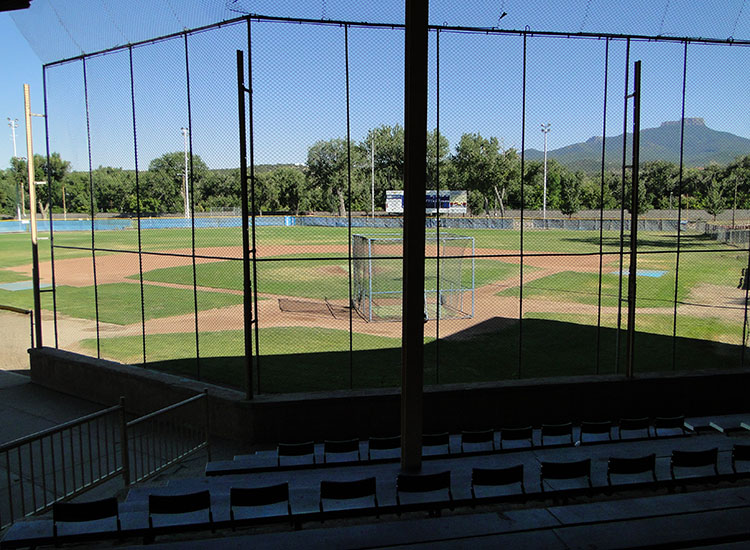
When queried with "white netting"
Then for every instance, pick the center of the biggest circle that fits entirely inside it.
(377, 264)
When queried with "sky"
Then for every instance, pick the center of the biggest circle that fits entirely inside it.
(299, 76)
(20, 66)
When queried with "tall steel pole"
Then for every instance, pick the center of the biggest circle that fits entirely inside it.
(545, 131)
(13, 123)
(415, 170)
(32, 218)
(185, 173)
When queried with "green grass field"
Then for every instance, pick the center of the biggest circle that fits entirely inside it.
(304, 357)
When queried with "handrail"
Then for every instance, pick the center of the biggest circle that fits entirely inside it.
(59, 428)
(63, 461)
(167, 409)
(58, 463)
(152, 443)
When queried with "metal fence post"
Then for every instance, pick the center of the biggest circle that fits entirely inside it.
(208, 423)
(125, 456)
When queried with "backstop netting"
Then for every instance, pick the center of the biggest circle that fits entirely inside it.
(377, 281)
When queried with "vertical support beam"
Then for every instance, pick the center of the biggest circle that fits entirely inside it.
(246, 283)
(32, 218)
(124, 450)
(622, 206)
(415, 170)
(632, 272)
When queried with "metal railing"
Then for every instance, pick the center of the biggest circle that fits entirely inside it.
(64, 461)
(157, 440)
(59, 463)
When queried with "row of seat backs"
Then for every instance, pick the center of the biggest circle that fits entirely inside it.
(524, 433)
(405, 483)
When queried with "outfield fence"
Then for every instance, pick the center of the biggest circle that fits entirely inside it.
(266, 302)
(486, 222)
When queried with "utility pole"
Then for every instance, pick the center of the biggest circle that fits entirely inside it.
(545, 131)
(32, 218)
(185, 133)
(13, 123)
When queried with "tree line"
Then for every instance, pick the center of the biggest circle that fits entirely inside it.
(488, 171)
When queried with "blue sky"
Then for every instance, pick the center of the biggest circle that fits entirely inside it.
(20, 65)
(300, 82)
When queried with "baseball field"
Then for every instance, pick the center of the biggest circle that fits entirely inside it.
(171, 307)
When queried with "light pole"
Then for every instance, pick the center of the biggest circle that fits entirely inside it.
(185, 133)
(545, 131)
(13, 123)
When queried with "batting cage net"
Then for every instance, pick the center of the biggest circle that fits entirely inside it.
(377, 267)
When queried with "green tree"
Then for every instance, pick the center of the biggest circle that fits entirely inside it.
(327, 171)
(112, 186)
(162, 186)
(291, 185)
(482, 168)
(713, 197)
(220, 189)
(570, 194)
(52, 172)
(7, 194)
(660, 179)
(437, 144)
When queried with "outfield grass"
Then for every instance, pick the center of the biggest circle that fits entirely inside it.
(317, 279)
(120, 303)
(715, 268)
(550, 348)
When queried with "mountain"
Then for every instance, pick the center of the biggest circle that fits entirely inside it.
(702, 146)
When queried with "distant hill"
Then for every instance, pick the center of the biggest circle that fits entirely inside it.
(702, 146)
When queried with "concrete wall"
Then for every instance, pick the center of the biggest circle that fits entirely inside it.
(343, 414)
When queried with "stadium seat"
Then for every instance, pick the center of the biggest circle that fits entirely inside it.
(565, 470)
(694, 459)
(437, 440)
(258, 496)
(496, 477)
(295, 450)
(424, 483)
(64, 512)
(477, 437)
(341, 447)
(558, 430)
(525, 433)
(347, 490)
(740, 453)
(674, 423)
(634, 425)
(382, 444)
(631, 466)
(596, 428)
(178, 504)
